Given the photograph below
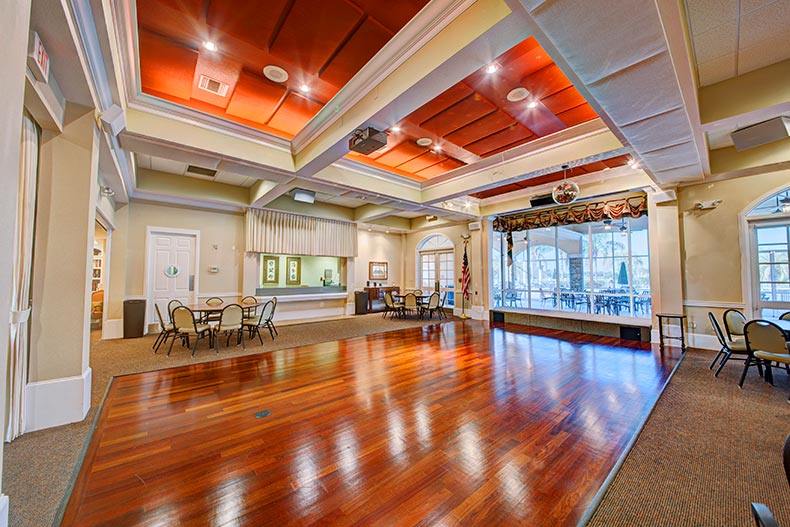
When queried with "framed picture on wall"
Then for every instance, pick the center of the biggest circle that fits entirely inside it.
(271, 270)
(378, 271)
(293, 270)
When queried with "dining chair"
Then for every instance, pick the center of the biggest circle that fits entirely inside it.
(251, 310)
(165, 329)
(253, 324)
(432, 305)
(270, 320)
(185, 325)
(786, 458)
(171, 306)
(771, 348)
(231, 320)
(409, 303)
(212, 301)
(728, 348)
(390, 306)
(763, 517)
(734, 321)
(441, 311)
(765, 336)
(785, 316)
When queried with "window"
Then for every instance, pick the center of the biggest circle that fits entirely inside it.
(596, 268)
(770, 249)
(437, 263)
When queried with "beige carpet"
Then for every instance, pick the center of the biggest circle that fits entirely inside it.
(38, 466)
(706, 452)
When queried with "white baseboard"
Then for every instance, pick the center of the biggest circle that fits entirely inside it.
(694, 340)
(57, 402)
(112, 329)
(3, 510)
(474, 312)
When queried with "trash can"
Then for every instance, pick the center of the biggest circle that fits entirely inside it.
(360, 302)
(133, 318)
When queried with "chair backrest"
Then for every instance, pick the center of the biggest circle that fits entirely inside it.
(214, 301)
(159, 316)
(785, 316)
(765, 336)
(249, 300)
(418, 292)
(388, 300)
(171, 306)
(410, 301)
(231, 316)
(268, 311)
(717, 330)
(734, 321)
(274, 304)
(183, 318)
(786, 458)
(444, 298)
(433, 302)
(763, 517)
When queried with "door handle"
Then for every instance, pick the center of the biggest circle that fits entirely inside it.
(191, 282)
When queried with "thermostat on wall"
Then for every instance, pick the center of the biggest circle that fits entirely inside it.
(213, 269)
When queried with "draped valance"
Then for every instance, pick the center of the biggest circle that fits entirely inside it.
(276, 232)
(632, 206)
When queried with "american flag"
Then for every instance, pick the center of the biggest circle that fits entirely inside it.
(465, 275)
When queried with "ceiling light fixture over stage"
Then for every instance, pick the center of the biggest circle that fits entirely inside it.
(567, 191)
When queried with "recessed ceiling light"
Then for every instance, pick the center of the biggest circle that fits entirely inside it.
(304, 88)
(633, 163)
(387, 231)
(517, 94)
(395, 129)
(532, 104)
(275, 73)
(424, 141)
(492, 68)
(209, 45)
(437, 148)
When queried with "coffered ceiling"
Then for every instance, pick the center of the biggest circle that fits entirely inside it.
(478, 98)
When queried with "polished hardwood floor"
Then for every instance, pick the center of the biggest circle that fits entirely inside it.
(461, 423)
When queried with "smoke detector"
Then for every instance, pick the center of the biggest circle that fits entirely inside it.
(275, 73)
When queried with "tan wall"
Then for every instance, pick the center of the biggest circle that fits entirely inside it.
(378, 247)
(14, 25)
(712, 248)
(221, 244)
(65, 222)
(116, 279)
(477, 252)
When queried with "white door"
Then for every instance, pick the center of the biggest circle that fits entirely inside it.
(171, 271)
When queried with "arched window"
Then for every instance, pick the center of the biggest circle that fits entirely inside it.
(436, 257)
(769, 240)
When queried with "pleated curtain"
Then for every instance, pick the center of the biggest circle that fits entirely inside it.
(20, 287)
(276, 232)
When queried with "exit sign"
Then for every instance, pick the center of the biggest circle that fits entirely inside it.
(38, 58)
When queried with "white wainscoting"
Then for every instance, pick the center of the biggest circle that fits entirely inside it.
(57, 402)
(475, 312)
(3, 510)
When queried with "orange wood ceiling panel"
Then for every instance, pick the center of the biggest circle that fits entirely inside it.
(459, 115)
(188, 7)
(564, 100)
(426, 160)
(510, 135)
(252, 22)
(255, 98)
(440, 168)
(165, 66)
(546, 82)
(312, 31)
(360, 48)
(490, 124)
(294, 113)
(441, 102)
(393, 15)
(401, 153)
(580, 114)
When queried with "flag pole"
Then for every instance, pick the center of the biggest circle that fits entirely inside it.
(464, 280)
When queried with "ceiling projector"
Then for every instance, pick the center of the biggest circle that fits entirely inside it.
(367, 140)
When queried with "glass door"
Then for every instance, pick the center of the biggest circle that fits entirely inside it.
(770, 268)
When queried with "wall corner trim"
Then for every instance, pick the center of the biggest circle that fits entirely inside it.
(57, 402)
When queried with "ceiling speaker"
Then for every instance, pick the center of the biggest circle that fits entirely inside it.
(113, 121)
(761, 133)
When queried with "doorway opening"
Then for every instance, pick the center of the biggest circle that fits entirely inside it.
(98, 280)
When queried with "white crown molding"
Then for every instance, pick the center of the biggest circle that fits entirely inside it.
(172, 199)
(410, 39)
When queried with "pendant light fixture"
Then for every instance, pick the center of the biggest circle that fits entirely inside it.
(566, 192)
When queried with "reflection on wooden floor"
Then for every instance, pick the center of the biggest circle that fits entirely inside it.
(445, 424)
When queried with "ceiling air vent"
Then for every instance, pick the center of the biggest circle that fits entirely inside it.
(213, 86)
(200, 172)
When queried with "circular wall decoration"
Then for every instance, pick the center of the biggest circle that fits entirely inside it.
(171, 271)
